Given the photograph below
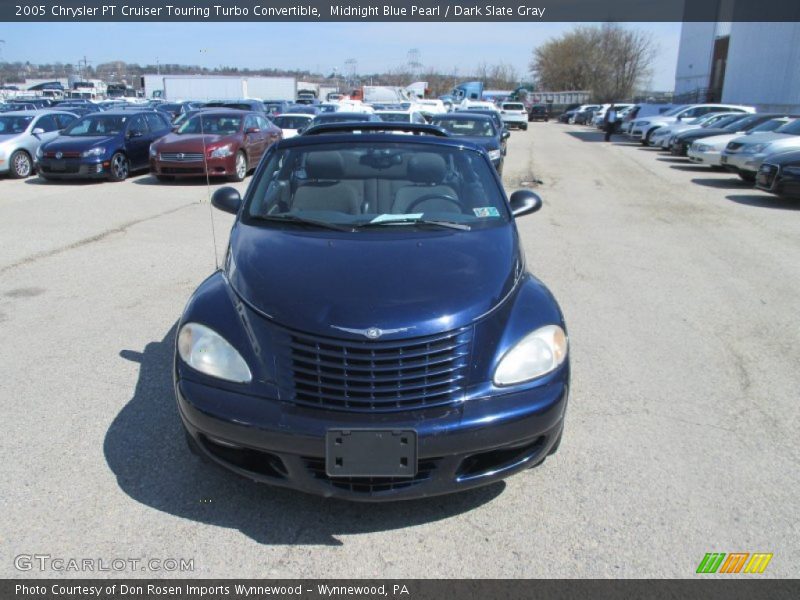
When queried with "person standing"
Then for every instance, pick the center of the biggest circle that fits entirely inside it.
(610, 121)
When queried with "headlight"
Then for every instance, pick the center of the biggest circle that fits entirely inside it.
(640, 123)
(535, 355)
(220, 152)
(755, 148)
(96, 151)
(495, 154)
(205, 350)
(153, 151)
(702, 147)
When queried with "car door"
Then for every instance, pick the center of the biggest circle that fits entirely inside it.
(44, 129)
(255, 139)
(159, 126)
(137, 142)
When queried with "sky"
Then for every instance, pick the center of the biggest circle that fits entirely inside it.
(319, 47)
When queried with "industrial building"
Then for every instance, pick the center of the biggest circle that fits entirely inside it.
(740, 62)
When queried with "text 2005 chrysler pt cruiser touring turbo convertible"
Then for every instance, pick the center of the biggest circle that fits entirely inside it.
(374, 333)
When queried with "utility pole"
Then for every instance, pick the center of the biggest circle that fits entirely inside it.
(414, 61)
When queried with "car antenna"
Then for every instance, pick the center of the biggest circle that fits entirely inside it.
(208, 191)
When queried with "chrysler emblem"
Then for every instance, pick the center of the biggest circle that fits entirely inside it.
(179, 155)
(371, 333)
(59, 154)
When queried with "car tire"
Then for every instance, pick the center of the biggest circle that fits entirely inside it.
(647, 137)
(747, 176)
(119, 167)
(20, 165)
(240, 167)
(524, 128)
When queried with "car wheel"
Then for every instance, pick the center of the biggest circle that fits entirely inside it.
(21, 165)
(747, 176)
(119, 168)
(647, 137)
(240, 167)
(524, 128)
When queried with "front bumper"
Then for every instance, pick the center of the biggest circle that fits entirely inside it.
(704, 157)
(73, 168)
(460, 446)
(217, 167)
(515, 120)
(739, 162)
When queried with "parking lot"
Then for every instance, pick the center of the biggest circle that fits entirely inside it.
(679, 286)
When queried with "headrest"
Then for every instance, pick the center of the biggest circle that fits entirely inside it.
(427, 168)
(324, 165)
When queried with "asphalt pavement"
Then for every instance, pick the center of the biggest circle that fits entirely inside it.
(680, 290)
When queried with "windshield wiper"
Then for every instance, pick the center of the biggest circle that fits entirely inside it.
(290, 218)
(412, 221)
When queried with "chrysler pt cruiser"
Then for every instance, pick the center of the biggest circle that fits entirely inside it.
(374, 333)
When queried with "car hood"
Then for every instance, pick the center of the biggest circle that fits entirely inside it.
(192, 142)
(720, 141)
(657, 120)
(704, 132)
(66, 143)
(417, 283)
(785, 158)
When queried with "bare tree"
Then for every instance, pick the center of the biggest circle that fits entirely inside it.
(610, 61)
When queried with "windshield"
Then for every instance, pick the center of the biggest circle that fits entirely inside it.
(97, 124)
(466, 127)
(771, 125)
(212, 124)
(291, 122)
(380, 185)
(395, 117)
(12, 125)
(720, 122)
(673, 111)
(792, 128)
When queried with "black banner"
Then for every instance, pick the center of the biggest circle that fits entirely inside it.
(735, 588)
(400, 10)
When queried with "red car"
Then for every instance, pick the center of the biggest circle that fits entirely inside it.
(221, 142)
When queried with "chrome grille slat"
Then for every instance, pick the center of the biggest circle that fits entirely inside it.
(181, 156)
(375, 375)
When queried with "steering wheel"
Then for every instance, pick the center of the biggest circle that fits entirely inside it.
(427, 197)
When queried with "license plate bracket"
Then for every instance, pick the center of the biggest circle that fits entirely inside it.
(58, 165)
(370, 453)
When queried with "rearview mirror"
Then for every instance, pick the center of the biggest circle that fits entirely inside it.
(524, 202)
(227, 199)
(134, 133)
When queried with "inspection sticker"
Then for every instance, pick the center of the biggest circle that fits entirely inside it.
(403, 217)
(486, 211)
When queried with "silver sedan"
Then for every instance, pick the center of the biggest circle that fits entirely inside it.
(21, 134)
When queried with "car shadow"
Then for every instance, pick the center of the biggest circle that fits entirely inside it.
(727, 183)
(692, 168)
(765, 201)
(181, 182)
(674, 159)
(146, 450)
(35, 180)
(588, 136)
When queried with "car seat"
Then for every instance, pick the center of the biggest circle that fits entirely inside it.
(426, 171)
(325, 189)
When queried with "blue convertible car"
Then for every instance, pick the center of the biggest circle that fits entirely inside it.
(374, 333)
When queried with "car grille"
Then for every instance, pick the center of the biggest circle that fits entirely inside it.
(69, 166)
(367, 485)
(181, 156)
(734, 145)
(52, 154)
(375, 376)
(182, 170)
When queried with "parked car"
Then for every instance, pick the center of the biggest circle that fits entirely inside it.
(21, 134)
(276, 107)
(477, 129)
(401, 116)
(360, 381)
(243, 104)
(291, 124)
(662, 136)
(744, 155)
(643, 129)
(343, 117)
(714, 139)
(598, 117)
(214, 142)
(569, 112)
(431, 106)
(304, 109)
(780, 175)
(514, 115)
(103, 145)
(539, 112)
(494, 115)
(328, 107)
(584, 114)
(640, 111)
(176, 109)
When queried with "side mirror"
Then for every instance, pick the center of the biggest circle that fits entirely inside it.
(300, 130)
(227, 199)
(506, 134)
(524, 202)
(37, 131)
(135, 133)
(252, 130)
